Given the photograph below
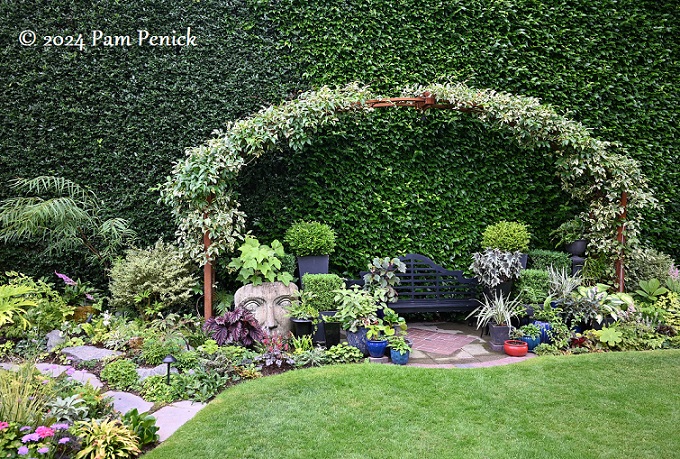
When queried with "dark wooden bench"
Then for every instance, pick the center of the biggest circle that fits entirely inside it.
(428, 287)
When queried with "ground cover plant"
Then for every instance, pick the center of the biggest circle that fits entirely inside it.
(594, 406)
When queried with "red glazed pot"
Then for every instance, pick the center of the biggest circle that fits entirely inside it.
(515, 348)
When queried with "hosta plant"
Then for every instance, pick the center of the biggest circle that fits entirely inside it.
(143, 425)
(235, 327)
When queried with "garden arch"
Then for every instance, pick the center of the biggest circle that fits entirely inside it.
(204, 202)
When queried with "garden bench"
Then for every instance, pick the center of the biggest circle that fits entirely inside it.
(428, 287)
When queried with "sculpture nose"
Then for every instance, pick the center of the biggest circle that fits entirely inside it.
(270, 321)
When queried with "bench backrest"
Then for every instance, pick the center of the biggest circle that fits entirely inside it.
(424, 279)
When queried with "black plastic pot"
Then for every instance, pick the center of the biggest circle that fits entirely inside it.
(302, 327)
(499, 334)
(503, 288)
(332, 334)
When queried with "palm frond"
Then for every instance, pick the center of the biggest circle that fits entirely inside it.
(59, 186)
(35, 217)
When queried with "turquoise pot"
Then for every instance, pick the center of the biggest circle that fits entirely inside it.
(531, 342)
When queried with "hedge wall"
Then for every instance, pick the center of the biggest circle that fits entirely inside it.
(116, 118)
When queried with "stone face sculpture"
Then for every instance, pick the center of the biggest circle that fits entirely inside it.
(268, 302)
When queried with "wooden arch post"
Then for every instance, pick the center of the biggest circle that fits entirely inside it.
(208, 273)
(619, 265)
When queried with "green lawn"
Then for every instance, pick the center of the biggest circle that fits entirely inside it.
(615, 405)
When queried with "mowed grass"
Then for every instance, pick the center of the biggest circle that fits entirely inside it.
(615, 405)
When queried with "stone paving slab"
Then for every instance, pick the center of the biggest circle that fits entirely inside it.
(77, 375)
(125, 401)
(438, 342)
(172, 417)
(86, 353)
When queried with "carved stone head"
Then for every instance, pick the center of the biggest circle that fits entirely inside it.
(269, 303)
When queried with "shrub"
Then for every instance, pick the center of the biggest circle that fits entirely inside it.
(542, 259)
(322, 286)
(155, 349)
(120, 374)
(155, 389)
(647, 264)
(310, 238)
(235, 327)
(533, 285)
(507, 237)
(106, 439)
(156, 275)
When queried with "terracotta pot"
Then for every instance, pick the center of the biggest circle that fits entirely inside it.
(515, 348)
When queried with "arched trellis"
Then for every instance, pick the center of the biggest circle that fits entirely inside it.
(202, 192)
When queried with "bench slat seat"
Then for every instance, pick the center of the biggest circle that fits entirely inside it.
(428, 287)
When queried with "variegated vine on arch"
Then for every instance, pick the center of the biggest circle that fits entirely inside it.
(202, 192)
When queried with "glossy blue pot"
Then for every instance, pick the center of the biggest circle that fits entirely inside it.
(376, 348)
(544, 327)
(531, 342)
(398, 358)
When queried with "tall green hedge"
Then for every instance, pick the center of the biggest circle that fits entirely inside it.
(116, 118)
(391, 181)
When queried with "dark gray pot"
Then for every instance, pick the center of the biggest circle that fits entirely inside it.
(504, 287)
(358, 339)
(577, 248)
(313, 265)
(499, 333)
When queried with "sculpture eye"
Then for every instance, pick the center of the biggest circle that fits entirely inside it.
(283, 301)
(252, 305)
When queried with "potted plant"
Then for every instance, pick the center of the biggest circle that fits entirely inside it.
(303, 314)
(400, 350)
(376, 338)
(322, 286)
(496, 270)
(508, 237)
(357, 309)
(266, 287)
(529, 333)
(515, 348)
(571, 235)
(312, 243)
(331, 330)
(382, 275)
(497, 314)
(392, 319)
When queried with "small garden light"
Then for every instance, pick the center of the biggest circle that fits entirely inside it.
(169, 360)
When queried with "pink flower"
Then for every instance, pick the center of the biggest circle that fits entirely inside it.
(70, 371)
(64, 440)
(4, 425)
(44, 432)
(44, 450)
(67, 280)
(23, 450)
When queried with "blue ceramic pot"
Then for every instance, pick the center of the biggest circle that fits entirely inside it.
(544, 327)
(531, 342)
(376, 348)
(398, 358)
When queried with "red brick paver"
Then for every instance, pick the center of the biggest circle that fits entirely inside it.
(437, 342)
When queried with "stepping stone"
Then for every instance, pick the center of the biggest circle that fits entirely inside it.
(9, 366)
(379, 359)
(172, 417)
(161, 370)
(77, 375)
(85, 353)
(54, 339)
(125, 401)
